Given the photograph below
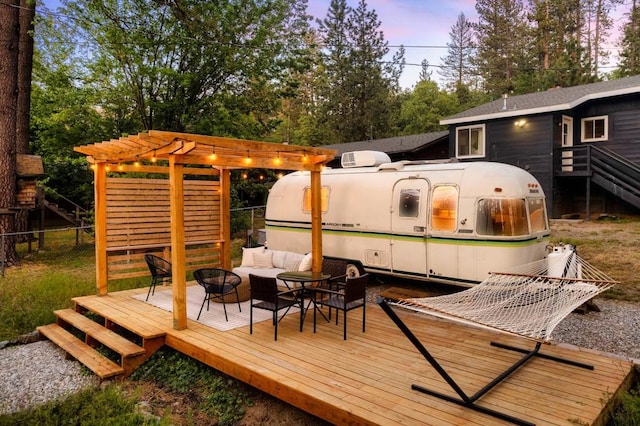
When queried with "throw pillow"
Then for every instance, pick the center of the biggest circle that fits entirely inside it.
(292, 261)
(247, 255)
(263, 260)
(305, 263)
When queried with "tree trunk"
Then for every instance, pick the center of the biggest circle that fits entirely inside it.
(25, 65)
(9, 36)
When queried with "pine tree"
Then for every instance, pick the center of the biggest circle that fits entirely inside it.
(9, 37)
(630, 44)
(457, 65)
(502, 37)
(359, 86)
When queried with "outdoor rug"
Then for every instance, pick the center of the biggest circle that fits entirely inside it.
(215, 316)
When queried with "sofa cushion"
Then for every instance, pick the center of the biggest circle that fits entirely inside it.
(247, 255)
(292, 261)
(306, 263)
(263, 260)
(278, 258)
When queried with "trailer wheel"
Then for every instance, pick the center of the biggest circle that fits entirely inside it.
(354, 269)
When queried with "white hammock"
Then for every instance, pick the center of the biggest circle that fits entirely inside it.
(527, 301)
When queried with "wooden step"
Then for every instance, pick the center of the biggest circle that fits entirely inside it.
(93, 330)
(100, 365)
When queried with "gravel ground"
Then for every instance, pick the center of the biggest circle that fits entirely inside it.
(37, 372)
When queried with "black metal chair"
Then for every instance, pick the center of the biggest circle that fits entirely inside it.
(160, 271)
(337, 268)
(265, 295)
(217, 284)
(353, 296)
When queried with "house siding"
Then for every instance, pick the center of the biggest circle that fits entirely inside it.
(529, 147)
(624, 125)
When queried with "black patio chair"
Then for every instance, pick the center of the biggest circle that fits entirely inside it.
(353, 296)
(337, 268)
(265, 295)
(160, 271)
(217, 283)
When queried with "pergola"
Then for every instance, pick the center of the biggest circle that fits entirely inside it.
(181, 153)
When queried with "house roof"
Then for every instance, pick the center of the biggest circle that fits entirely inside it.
(556, 99)
(408, 143)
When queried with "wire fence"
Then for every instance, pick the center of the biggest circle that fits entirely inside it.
(71, 246)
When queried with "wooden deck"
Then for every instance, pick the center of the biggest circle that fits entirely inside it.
(367, 379)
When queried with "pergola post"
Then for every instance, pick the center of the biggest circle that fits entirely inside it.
(100, 200)
(178, 257)
(316, 221)
(225, 218)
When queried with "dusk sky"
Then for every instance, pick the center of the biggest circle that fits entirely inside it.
(422, 26)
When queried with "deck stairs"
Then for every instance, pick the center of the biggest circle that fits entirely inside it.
(607, 169)
(105, 347)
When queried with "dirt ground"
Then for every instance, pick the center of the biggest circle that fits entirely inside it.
(611, 244)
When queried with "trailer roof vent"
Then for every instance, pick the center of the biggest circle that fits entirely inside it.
(364, 159)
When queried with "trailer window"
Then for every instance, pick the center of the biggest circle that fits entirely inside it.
(409, 203)
(444, 208)
(324, 199)
(502, 217)
(537, 215)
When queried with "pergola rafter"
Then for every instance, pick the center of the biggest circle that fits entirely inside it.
(183, 153)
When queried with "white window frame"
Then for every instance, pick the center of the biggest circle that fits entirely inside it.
(604, 137)
(481, 142)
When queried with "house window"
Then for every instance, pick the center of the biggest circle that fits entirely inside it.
(595, 129)
(324, 199)
(470, 141)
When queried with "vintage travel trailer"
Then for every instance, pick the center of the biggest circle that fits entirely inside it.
(443, 221)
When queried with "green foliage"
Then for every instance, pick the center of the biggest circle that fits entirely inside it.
(424, 107)
(105, 405)
(628, 412)
(630, 43)
(217, 394)
(357, 89)
(47, 280)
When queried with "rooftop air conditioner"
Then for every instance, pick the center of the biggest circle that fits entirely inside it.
(364, 159)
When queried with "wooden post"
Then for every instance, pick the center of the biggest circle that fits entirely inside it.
(225, 218)
(100, 179)
(178, 257)
(316, 221)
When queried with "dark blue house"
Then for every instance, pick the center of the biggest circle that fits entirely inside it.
(582, 143)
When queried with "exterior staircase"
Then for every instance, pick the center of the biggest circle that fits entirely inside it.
(607, 169)
(98, 342)
(71, 212)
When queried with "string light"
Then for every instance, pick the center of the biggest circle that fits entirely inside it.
(153, 157)
(213, 156)
(136, 164)
(120, 167)
(305, 158)
(277, 161)
(248, 159)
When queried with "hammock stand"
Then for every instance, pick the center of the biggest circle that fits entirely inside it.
(546, 291)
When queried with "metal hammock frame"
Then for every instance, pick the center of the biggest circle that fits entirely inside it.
(494, 304)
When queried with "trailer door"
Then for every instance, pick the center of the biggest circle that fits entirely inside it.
(409, 226)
